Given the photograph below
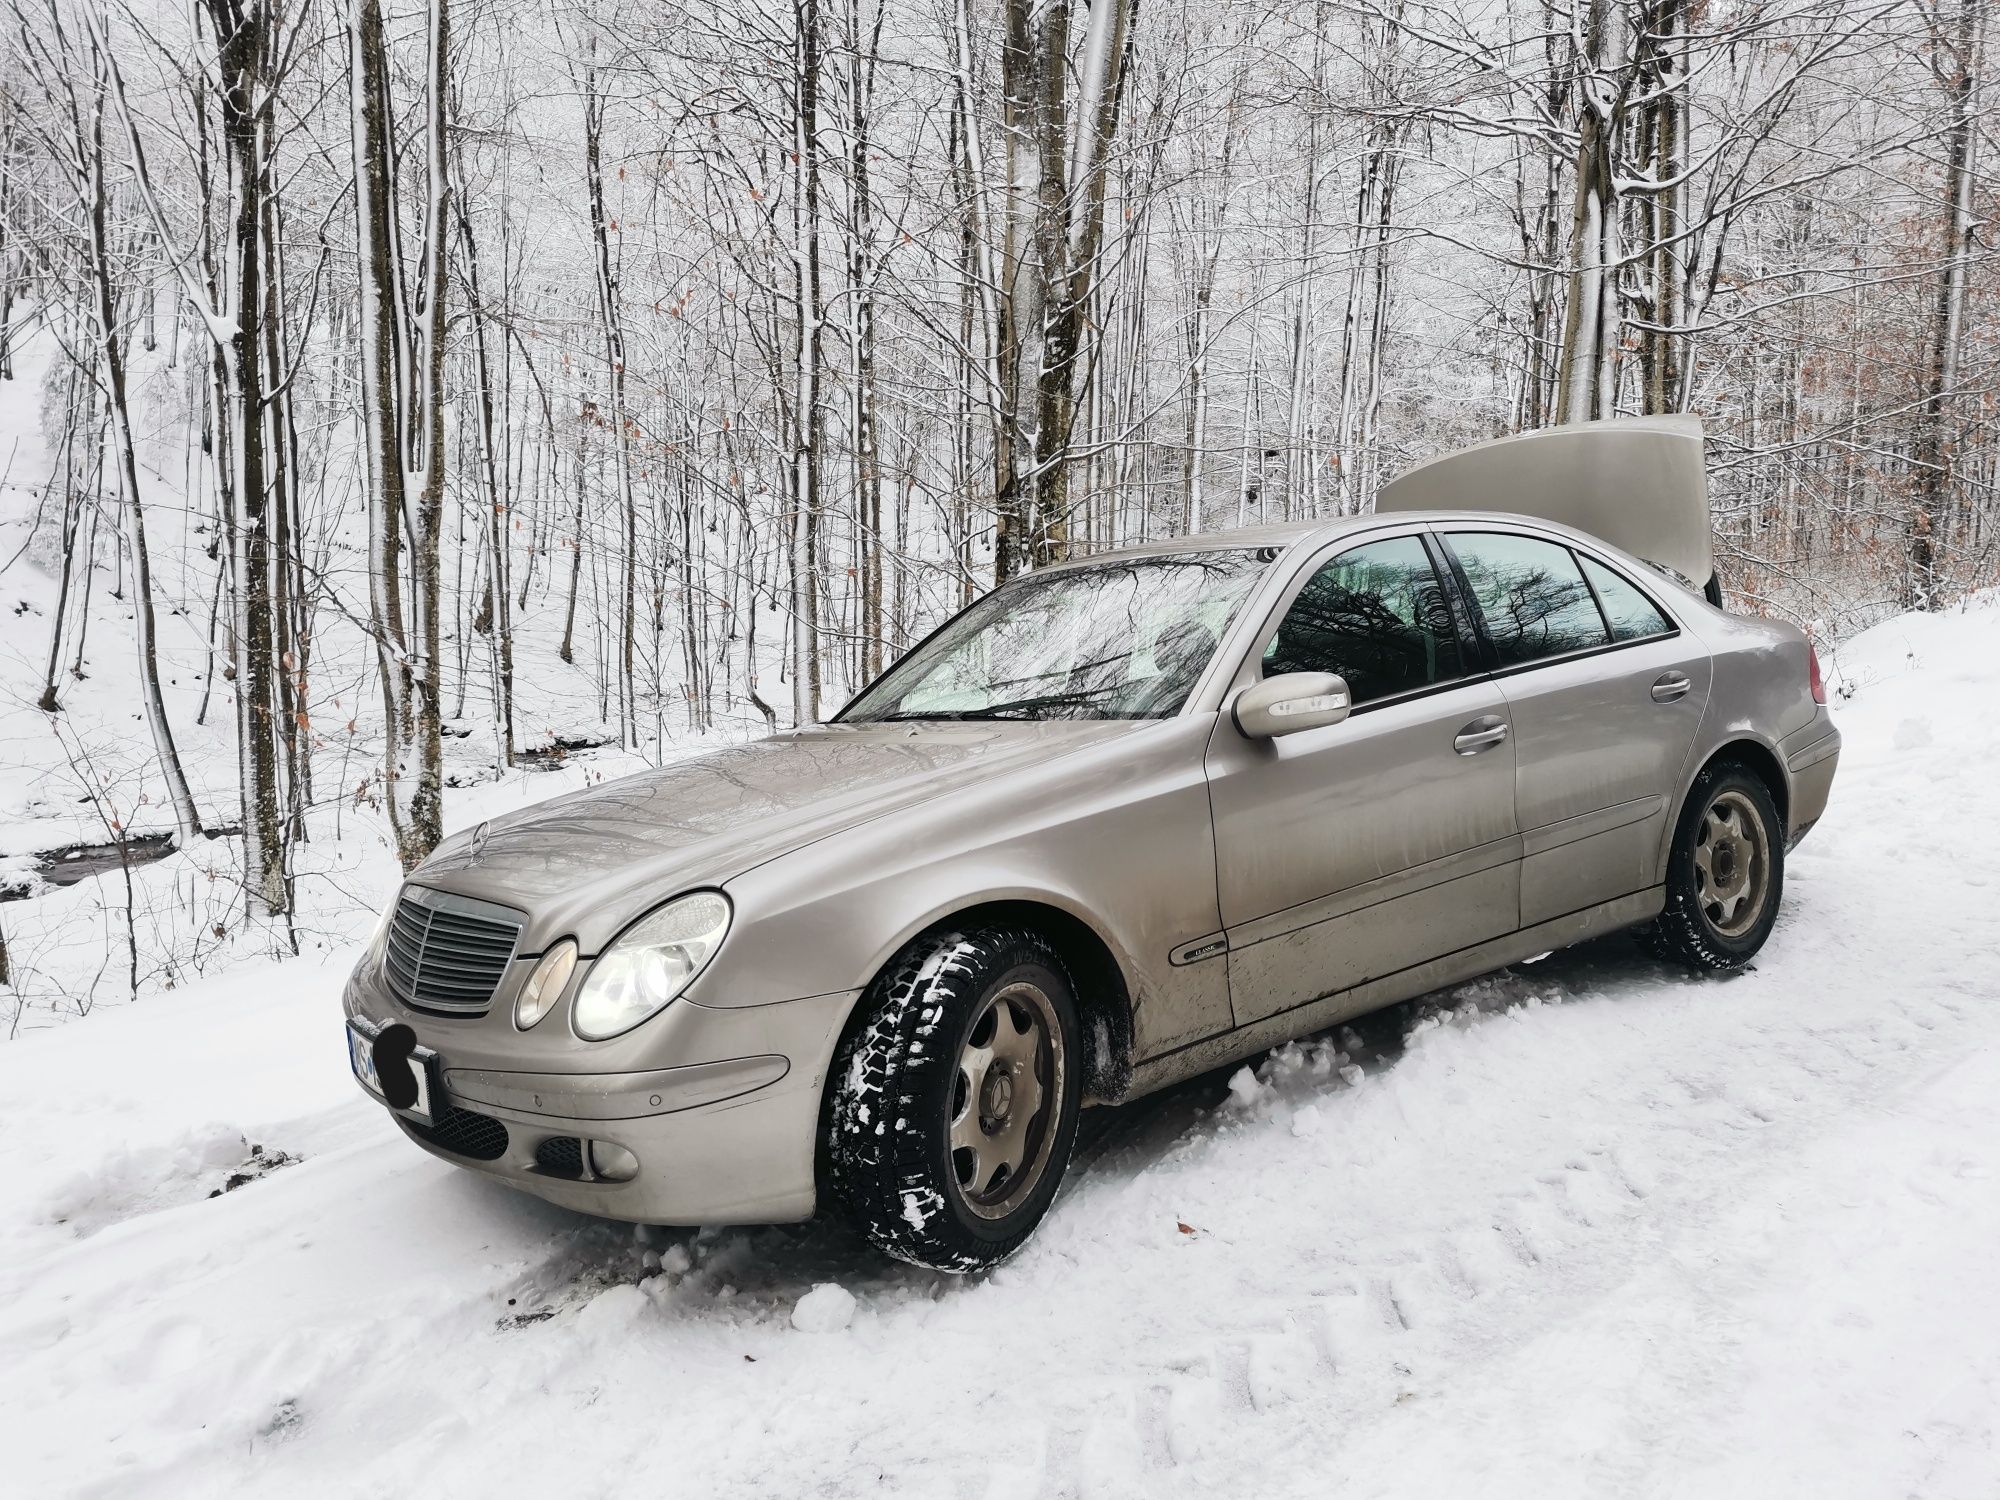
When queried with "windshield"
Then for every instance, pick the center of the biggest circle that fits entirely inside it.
(1114, 640)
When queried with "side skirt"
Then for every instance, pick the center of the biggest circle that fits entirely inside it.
(1405, 984)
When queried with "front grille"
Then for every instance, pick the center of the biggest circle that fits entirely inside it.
(464, 1133)
(448, 953)
(560, 1156)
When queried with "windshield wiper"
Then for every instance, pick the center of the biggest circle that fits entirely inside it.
(1019, 708)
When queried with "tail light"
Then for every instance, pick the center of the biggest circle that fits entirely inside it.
(1818, 682)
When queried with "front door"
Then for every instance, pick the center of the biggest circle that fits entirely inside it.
(1352, 851)
(1604, 692)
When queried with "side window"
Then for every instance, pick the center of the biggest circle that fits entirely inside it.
(1632, 615)
(1534, 599)
(1377, 615)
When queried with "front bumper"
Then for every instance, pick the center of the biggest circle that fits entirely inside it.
(724, 1130)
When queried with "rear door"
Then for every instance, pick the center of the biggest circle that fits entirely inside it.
(1358, 849)
(1604, 692)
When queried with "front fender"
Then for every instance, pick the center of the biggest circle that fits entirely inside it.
(1116, 836)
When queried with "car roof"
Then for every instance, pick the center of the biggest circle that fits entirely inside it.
(1636, 484)
(1289, 534)
(1279, 534)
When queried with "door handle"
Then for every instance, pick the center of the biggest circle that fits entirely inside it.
(1482, 733)
(1669, 686)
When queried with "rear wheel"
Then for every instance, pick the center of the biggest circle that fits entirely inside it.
(1725, 874)
(953, 1104)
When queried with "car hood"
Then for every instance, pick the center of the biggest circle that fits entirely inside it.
(590, 861)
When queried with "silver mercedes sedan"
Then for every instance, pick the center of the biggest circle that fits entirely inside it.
(1119, 822)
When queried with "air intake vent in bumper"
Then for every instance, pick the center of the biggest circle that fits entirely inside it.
(464, 1133)
(448, 953)
(560, 1156)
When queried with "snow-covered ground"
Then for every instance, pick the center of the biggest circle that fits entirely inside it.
(1586, 1228)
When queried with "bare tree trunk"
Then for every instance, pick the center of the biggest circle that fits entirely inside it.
(1662, 85)
(1586, 383)
(804, 526)
(614, 357)
(1058, 153)
(1958, 72)
(1365, 324)
(289, 642)
(498, 604)
(1022, 284)
(7, 139)
(50, 701)
(1582, 382)
(567, 651)
(242, 43)
(427, 799)
(864, 49)
(987, 349)
(111, 357)
(380, 326)
(246, 48)
(402, 368)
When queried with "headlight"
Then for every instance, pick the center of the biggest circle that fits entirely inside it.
(650, 963)
(545, 985)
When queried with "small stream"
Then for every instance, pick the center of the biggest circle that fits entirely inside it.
(82, 861)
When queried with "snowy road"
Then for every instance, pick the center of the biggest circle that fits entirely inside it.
(1593, 1230)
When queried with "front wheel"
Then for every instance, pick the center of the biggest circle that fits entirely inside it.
(953, 1104)
(1725, 873)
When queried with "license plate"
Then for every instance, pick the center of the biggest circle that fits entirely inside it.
(423, 1067)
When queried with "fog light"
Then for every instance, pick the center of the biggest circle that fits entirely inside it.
(545, 986)
(612, 1163)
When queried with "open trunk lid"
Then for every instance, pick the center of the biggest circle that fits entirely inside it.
(1637, 482)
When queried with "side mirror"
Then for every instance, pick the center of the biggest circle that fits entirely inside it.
(1291, 702)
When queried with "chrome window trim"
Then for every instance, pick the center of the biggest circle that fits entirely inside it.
(1619, 573)
(1584, 655)
(1302, 571)
(1589, 546)
(1447, 529)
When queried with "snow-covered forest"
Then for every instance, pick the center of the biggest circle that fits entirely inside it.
(435, 388)
(414, 409)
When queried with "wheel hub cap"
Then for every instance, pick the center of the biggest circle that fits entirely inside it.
(1731, 864)
(996, 1098)
(1009, 1079)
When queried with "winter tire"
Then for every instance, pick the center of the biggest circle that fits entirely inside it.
(1725, 874)
(952, 1104)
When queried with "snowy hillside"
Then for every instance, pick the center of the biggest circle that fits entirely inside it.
(90, 772)
(1588, 1228)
